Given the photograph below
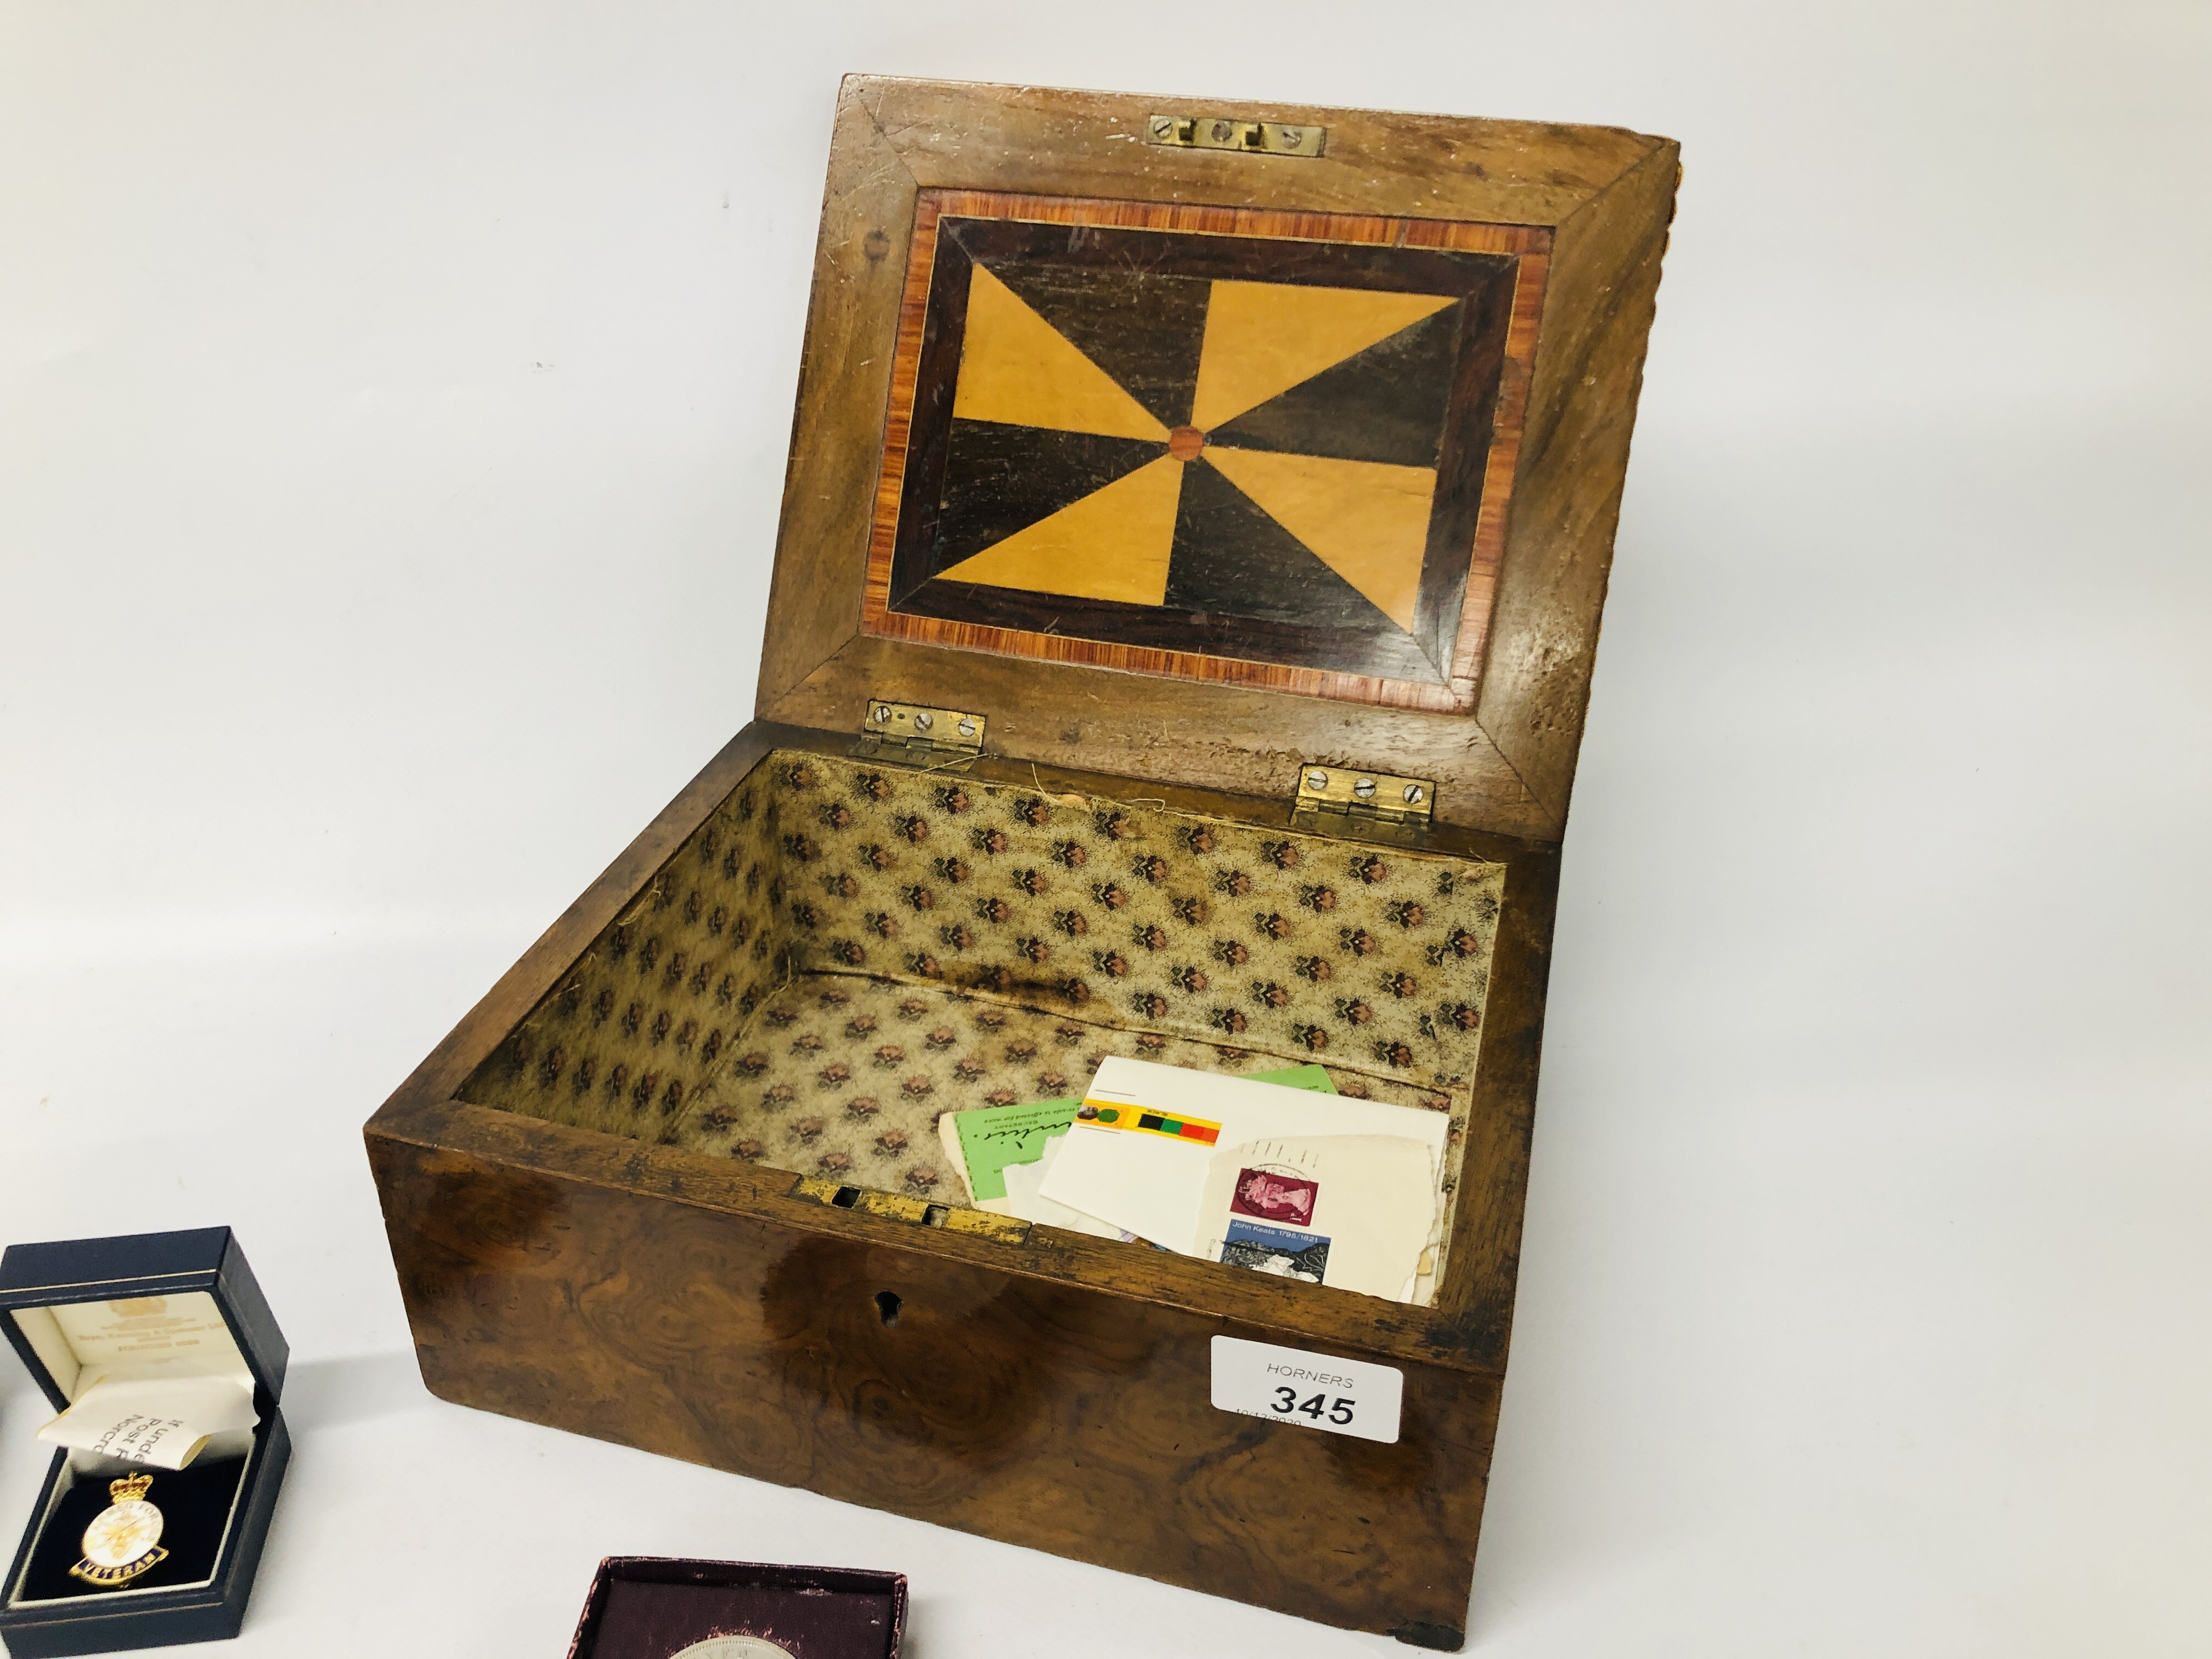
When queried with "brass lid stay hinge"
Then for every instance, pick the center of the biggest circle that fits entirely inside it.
(1341, 800)
(1228, 132)
(908, 734)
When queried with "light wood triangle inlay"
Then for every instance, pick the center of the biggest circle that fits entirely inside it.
(1265, 337)
(1017, 369)
(1112, 544)
(1367, 521)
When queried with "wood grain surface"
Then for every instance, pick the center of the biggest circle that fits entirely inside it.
(1604, 196)
(1067, 1418)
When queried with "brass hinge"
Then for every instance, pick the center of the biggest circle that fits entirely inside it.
(909, 735)
(1224, 132)
(1342, 800)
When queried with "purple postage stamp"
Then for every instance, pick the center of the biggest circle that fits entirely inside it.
(1273, 1197)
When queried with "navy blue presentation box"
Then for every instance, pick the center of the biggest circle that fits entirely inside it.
(216, 1512)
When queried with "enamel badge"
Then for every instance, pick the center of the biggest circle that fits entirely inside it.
(124, 1539)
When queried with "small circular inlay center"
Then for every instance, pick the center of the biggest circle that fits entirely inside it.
(1184, 443)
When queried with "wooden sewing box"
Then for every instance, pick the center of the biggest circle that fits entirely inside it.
(1197, 522)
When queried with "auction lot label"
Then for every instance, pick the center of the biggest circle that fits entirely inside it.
(1312, 1390)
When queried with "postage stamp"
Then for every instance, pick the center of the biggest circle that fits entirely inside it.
(1275, 1197)
(1275, 1250)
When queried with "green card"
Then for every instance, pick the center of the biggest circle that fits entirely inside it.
(991, 1137)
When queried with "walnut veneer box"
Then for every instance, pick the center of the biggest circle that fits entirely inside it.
(1197, 523)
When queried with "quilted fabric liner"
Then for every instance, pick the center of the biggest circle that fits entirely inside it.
(847, 1076)
(844, 951)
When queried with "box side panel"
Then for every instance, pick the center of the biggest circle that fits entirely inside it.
(41, 1511)
(1475, 1300)
(243, 1553)
(1062, 1418)
(29, 1271)
(212, 1622)
(1089, 143)
(252, 1321)
(1599, 307)
(844, 386)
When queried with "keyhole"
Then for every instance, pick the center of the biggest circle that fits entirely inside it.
(887, 1306)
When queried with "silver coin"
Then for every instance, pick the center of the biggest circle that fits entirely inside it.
(733, 1647)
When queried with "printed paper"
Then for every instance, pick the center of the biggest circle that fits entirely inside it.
(987, 1144)
(161, 1421)
(1156, 1185)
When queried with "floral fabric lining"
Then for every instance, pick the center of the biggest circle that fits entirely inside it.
(844, 951)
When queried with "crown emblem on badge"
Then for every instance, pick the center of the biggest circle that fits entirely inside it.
(130, 1489)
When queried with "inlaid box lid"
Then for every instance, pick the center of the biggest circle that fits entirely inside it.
(1189, 441)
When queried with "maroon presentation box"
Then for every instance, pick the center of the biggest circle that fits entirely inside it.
(654, 1607)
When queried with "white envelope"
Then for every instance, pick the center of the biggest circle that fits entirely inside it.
(1025, 1197)
(1360, 1197)
(1154, 1185)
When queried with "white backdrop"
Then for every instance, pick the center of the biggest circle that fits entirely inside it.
(395, 400)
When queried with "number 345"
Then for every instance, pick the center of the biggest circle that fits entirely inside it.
(1338, 1411)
